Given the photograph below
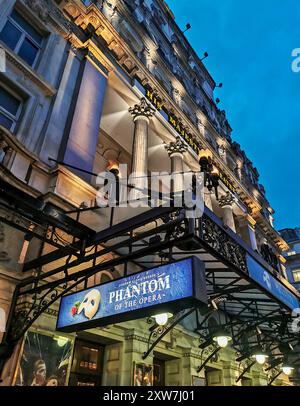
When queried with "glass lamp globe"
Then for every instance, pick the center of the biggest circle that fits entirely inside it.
(287, 370)
(162, 319)
(222, 338)
(260, 358)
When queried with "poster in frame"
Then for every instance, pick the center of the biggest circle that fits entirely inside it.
(44, 360)
(142, 374)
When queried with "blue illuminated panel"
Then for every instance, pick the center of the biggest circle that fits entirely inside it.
(130, 295)
(271, 284)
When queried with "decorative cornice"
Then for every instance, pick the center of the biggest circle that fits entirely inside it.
(177, 147)
(143, 109)
(136, 337)
(27, 71)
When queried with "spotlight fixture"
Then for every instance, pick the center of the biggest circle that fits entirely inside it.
(113, 167)
(222, 338)
(187, 27)
(211, 173)
(259, 355)
(219, 85)
(162, 319)
(217, 100)
(205, 56)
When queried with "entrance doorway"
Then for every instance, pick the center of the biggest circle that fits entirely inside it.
(159, 371)
(87, 365)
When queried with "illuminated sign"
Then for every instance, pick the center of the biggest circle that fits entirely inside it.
(223, 178)
(167, 288)
(271, 284)
(154, 100)
(188, 138)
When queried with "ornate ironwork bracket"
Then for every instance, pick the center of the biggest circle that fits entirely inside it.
(245, 371)
(274, 377)
(158, 332)
(215, 351)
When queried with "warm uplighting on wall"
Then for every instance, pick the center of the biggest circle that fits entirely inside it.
(113, 167)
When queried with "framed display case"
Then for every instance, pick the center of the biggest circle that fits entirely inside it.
(142, 374)
(45, 359)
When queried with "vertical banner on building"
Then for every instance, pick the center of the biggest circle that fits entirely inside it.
(167, 288)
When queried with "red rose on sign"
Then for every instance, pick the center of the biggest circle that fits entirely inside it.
(73, 311)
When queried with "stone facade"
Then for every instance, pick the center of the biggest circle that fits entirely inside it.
(83, 103)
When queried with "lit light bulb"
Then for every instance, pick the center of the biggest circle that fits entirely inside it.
(260, 359)
(222, 341)
(287, 370)
(161, 319)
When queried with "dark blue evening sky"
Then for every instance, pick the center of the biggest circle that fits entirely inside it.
(250, 45)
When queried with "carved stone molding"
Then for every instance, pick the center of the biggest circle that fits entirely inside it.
(143, 109)
(28, 72)
(39, 8)
(135, 337)
(178, 147)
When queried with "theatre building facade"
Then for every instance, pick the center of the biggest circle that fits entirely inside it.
(140, 296)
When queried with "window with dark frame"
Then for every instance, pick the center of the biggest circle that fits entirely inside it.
(10, 108)
(20, 36)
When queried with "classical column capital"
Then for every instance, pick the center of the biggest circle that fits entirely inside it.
(227, 200)
(176, 147)
(142, 110)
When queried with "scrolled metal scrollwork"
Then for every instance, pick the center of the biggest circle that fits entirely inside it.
(221, 242)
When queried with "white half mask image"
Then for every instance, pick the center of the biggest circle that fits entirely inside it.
(90, 304)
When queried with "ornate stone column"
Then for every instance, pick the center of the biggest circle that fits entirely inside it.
(141, 113)
(226, 203)
(176, 150)
(247, 225)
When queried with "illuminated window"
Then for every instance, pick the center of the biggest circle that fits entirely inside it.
(296, 275)
(291, 253)
(22, 38)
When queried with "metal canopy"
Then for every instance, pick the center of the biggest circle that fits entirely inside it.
(156, 236)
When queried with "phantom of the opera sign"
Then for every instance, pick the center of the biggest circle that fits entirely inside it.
(167, 288)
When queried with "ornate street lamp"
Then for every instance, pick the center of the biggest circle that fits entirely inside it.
(162, 319)
(211, 173)
(222, 338)
(286, 367)
(259, 355)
